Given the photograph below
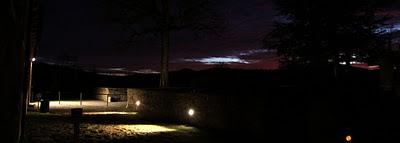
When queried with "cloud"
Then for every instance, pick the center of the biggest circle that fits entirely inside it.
(253, 52)
(218, 60)
(245, 57)
(388, 29)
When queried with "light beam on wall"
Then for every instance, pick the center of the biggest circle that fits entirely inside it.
(147, 128)
(109, 113)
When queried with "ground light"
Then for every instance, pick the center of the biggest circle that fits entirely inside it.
(348, 138)
(191, 112)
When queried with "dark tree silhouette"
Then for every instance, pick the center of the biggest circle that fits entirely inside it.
(33, 43)
(313, 33)
(157, 18)
(13, 58)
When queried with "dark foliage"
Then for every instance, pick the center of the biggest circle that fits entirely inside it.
(145, 18)
(311, 32)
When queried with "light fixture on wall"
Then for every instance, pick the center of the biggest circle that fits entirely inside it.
(137, 103)
(191, 112)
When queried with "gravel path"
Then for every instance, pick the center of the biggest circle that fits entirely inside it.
(103, 124)
(48, 127)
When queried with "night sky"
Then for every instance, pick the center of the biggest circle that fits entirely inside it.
(82, 30)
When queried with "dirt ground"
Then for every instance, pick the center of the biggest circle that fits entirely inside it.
(116, 123)
(101, 123)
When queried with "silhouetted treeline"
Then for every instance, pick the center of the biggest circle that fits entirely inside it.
(56, 78)
(69, 78)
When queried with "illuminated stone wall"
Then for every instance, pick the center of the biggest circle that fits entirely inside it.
(275, 114)
(116, 94)
(210, 110)
(281, 114)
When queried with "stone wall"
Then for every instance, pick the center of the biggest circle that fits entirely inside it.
(210, 110)
(284, 114)
(114, 94)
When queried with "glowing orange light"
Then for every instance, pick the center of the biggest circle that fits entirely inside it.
(137, 103)
(348, 138)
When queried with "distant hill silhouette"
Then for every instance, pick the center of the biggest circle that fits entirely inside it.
(54, 78)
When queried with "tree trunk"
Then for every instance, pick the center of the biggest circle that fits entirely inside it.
(12, 61)
(32, 35)
(165, 39)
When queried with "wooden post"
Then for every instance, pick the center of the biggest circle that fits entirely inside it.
(76, 114)
(127, 99)
(80, 98)
(59, 97)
